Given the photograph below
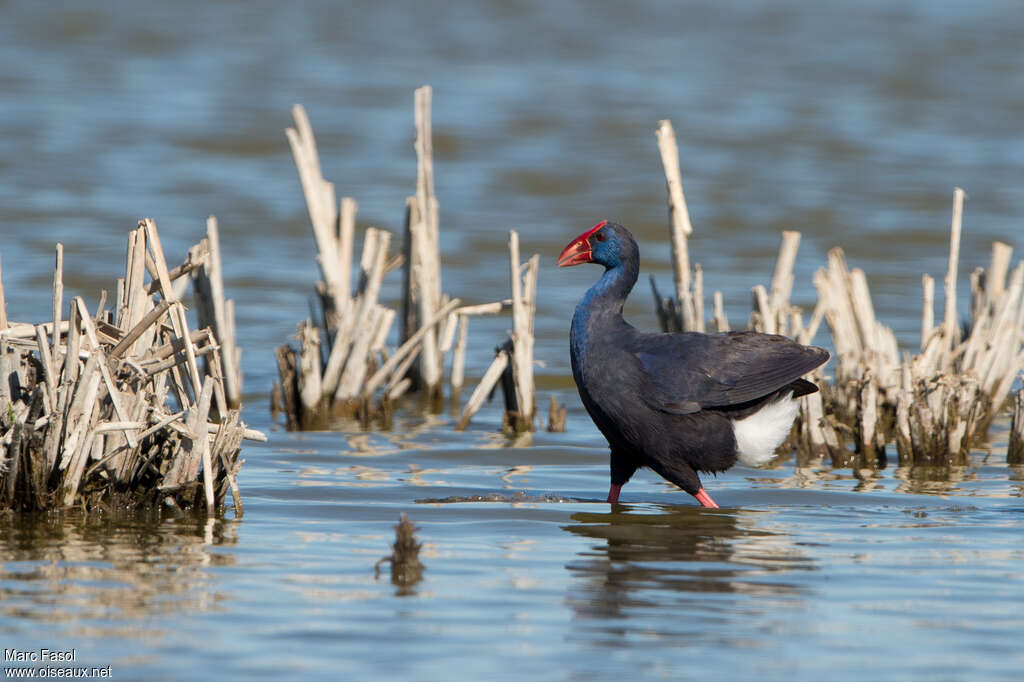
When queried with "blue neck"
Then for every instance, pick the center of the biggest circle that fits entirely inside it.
(601, 305)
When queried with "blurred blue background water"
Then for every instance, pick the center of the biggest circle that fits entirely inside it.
(851, 122)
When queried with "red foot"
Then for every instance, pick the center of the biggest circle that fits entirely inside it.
(705, 499)
(613, 493)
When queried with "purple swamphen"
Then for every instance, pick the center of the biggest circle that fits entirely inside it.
(677, 403)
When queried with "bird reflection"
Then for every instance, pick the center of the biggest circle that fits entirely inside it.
(677, 559)
(87, 574)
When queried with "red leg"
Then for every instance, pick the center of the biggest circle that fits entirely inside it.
(613, 493)
(705, 499)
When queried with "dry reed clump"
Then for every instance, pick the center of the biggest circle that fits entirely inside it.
(934, 404)
(110, 408)
(938, 403)
(343, 366)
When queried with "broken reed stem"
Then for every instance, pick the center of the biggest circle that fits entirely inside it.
(95, 428)
(3, 305)
(345, 242)
(425, 285)
(679, 215)
(698, 299)
(483, 389)
(771, 307)
(524, 290)
(949, 320)
(782, 279)
(135, 332)
(218, 313)
(58, 299)
(49, 371)
(720, 319)
(458, 371)
(927, 308)
(310, 388)
(320, 198)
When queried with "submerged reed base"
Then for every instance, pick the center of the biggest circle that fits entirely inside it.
(406, 568)
(556, 416)
(111, 409)
(1015, 452)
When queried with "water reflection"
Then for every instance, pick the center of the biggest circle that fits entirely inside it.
(92, 575)
(703, 566)
(1017, 477)
(933, 480)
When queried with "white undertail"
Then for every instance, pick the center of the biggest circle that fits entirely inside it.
(759, 434)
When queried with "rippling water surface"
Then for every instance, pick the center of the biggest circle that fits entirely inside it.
(851, 122)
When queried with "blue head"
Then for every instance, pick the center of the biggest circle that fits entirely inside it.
(608, 244)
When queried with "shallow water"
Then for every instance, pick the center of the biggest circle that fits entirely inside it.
(851, 122)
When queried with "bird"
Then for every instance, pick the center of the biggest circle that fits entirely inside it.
(678, 403)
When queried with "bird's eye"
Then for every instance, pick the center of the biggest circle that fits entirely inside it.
(601, 236)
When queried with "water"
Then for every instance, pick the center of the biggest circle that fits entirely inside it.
(851, 122)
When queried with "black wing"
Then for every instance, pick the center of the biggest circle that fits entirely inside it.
(687, 372)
